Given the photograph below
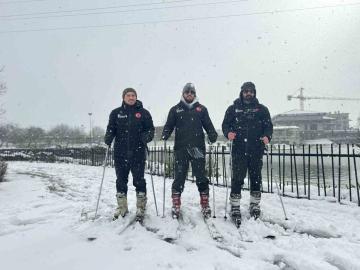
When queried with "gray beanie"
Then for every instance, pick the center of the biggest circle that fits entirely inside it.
(128, 90)
(189, 87)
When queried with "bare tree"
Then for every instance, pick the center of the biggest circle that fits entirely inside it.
(2, 91)
(3, 165)
(33, 136)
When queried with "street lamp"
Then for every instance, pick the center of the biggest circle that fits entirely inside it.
(90, 133)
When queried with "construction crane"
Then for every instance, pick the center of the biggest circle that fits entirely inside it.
(302, 98)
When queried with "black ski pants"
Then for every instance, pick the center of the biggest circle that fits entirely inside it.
(197, 158)
(123, 166)
(243, 163)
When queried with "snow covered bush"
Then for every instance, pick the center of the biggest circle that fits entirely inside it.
(3, 167)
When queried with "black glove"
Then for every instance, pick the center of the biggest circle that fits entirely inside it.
(164, 137)
(145, 137)
(212, 137)
(108, 141)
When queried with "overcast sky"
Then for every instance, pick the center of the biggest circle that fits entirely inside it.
(84, 62)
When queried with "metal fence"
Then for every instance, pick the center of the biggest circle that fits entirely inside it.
(304, 171)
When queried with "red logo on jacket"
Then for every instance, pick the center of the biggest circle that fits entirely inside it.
(198, 109)
(138, 115)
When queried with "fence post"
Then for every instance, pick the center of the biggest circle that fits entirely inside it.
(349, 170)
(339, 180)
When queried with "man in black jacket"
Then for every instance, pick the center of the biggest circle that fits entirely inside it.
(188, 118)
(132, 127)
(248, 125)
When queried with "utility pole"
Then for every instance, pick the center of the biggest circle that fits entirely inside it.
(90, 133)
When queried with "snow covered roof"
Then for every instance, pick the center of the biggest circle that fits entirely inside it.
(328, 118)
(286, 127)
(292, 112)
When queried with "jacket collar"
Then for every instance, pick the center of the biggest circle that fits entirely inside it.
(138, 105)
(189, 105)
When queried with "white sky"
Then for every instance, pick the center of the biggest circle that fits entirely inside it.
(58, 76)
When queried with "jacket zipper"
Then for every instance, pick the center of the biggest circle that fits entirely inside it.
(128, 135)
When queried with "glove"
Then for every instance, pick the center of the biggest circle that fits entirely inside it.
(145, 137)
(108, 141)
(212, 137)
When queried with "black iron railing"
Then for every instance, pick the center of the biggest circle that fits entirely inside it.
(304, 171)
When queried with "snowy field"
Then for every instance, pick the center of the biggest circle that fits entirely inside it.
(45, 223)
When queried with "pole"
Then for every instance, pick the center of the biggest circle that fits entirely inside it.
(226, 182)
(90, 133)
(102, 180)
(152, 182)
(164, 180)
(213, 184)
(277, 186)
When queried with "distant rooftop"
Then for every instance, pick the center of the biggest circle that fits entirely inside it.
(292, 112)
(286, 127)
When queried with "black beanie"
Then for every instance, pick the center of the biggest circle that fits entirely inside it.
(128, 90)
(248, 85)
(189, 87)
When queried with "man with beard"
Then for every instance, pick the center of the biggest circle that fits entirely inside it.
(188, 118)
(248, 125)
(132, 127)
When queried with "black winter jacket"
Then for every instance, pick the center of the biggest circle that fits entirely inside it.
(189, 124)
(132, 127)
(250, 122)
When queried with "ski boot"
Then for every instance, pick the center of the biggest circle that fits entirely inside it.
(176, 201)
(235, 209)
(204, 202)
(255, 197)
(122, 208)
(140, 206)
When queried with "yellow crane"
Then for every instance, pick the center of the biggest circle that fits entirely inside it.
(302, 98)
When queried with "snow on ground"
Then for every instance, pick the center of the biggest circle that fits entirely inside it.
(45, 223)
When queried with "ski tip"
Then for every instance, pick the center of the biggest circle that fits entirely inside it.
(90, 239)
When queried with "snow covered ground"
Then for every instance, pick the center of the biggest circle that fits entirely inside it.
(45, 223)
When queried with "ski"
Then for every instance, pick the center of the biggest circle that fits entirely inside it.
(237, 223)
(213, 231)
(130, 220)
(169, 231)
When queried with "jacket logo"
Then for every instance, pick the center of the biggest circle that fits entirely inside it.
(179, 110)
(138, 115)
(198, 109)
(122, 116)
(237, 110)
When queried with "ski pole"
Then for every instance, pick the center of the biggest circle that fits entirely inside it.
(226, 182)
(164, 179)
(213, 184)
(102, 180)
(276, 183)
(152, 182)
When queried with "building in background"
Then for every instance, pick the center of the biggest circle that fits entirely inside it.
(313, 126)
